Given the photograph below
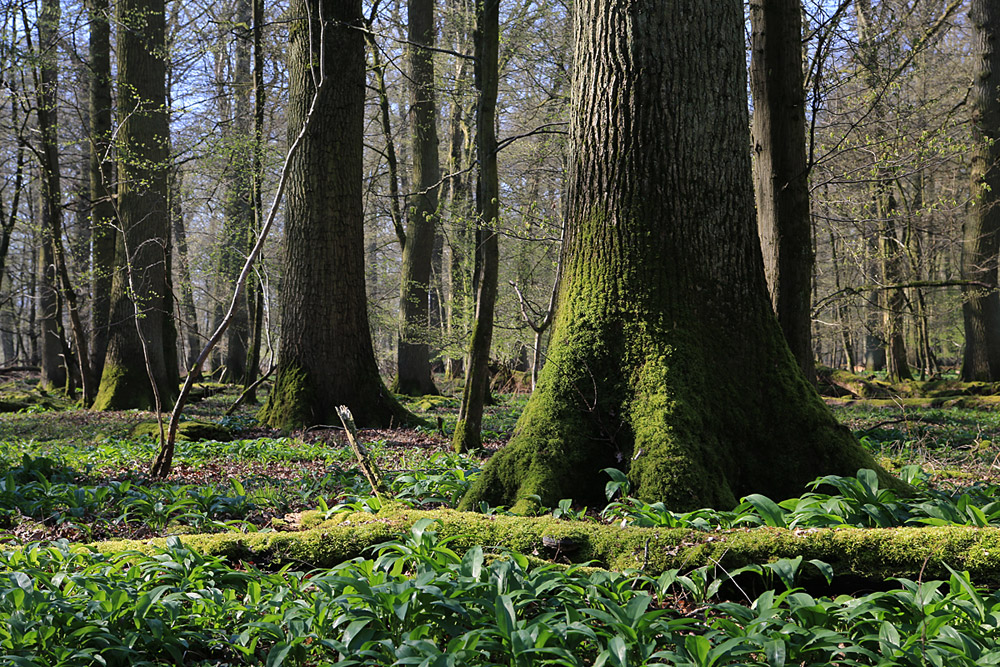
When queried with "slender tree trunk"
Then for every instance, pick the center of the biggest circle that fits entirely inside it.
(666, 358)
(413, 366)
(780, 173)
(53, 363)
(189, 314)
(239, 208)
(102, 183)
(981, 229)
(255, 287)
(141, 306)
(468, 431)
(460, 244)
(326, 358)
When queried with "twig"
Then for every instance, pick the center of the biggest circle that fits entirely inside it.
(368, 466)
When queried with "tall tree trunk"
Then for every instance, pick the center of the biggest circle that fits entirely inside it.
(460, 239)
(666, 357)
(102, 183)
(239, 209)
(981, 228)
(468, 431)
(413, 366)
(780, 173)
(255, 287)
(326, 358)
(138, 367)
(53, 364)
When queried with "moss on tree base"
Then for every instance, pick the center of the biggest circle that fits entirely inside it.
(128, 387)
(296, 400)
(864, 557)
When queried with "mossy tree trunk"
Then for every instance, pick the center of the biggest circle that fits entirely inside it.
(325, 357)
(981, 229)
(666, 358)
(142, 333)
(780, 170)
(413, 365)
(468, 431)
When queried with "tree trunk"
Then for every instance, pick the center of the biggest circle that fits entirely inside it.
(413, 366)
(141, 305)
(981, 229)
(188, 313)
(255, 287)
(666, 357)
(326, 358)
(53, 364)
(239, 208)
(780, 173)
(468, 431)
(102, 176)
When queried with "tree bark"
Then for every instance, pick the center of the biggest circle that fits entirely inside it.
(325, 357)
(666, 357)
(239, 209)
(468, 431)
(780, 171)
(981, 229)
(413, 366)
(255, 287)
(102, 183)
(53, 364)
(141, 304)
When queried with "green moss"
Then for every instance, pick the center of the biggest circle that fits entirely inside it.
(190, 431)
(290, 403)
(865, 555)
(124, 388)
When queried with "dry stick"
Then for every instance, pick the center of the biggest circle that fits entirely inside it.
(368, 466)
(161, 465)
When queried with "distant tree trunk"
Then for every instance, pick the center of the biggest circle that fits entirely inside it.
(326, 358)
(189, 315)
(239, 208)
(141, 285)
(53, 364)
(981, 228)
(666, 358)
(780, 173)
(459, 204)
(102, 183)
(468, 431)
(255, 287)
(52, 211)
(893, 300)
(413, 366)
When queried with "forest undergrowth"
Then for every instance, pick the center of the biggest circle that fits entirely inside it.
(71, 478)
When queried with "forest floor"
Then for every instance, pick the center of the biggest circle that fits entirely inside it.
(46, 436)
(70, 477)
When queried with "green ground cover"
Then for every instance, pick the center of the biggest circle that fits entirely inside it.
(81, 583)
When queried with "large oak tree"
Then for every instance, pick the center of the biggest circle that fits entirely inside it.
(666, 358)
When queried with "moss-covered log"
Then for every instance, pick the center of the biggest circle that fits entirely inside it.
(666, 358)
(865, 557)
